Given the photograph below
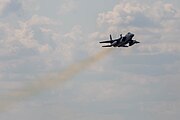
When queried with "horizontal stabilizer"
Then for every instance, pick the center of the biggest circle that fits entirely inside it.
(105, 42)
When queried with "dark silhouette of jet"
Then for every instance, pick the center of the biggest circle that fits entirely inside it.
(123, 41)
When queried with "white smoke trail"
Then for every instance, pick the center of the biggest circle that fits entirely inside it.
(7, 100)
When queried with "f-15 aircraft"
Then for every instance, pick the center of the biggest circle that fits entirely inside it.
(122, 41)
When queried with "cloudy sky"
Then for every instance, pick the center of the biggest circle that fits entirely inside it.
(43, 41)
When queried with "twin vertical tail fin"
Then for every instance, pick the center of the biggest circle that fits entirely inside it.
(111, 39)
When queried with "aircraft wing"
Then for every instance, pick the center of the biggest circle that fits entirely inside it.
(107, 46)
(122, 44)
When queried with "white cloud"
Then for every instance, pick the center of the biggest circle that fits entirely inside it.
(40, 20)
(125, 13)
(30, 6)
(75, 33)
(23, 36)
(3, 5)
(23, 41)
(157, 24)
(10, 7)
(169, 8)
(67, 6)
(121, 14)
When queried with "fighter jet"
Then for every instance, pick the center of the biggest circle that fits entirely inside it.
(123, 41)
